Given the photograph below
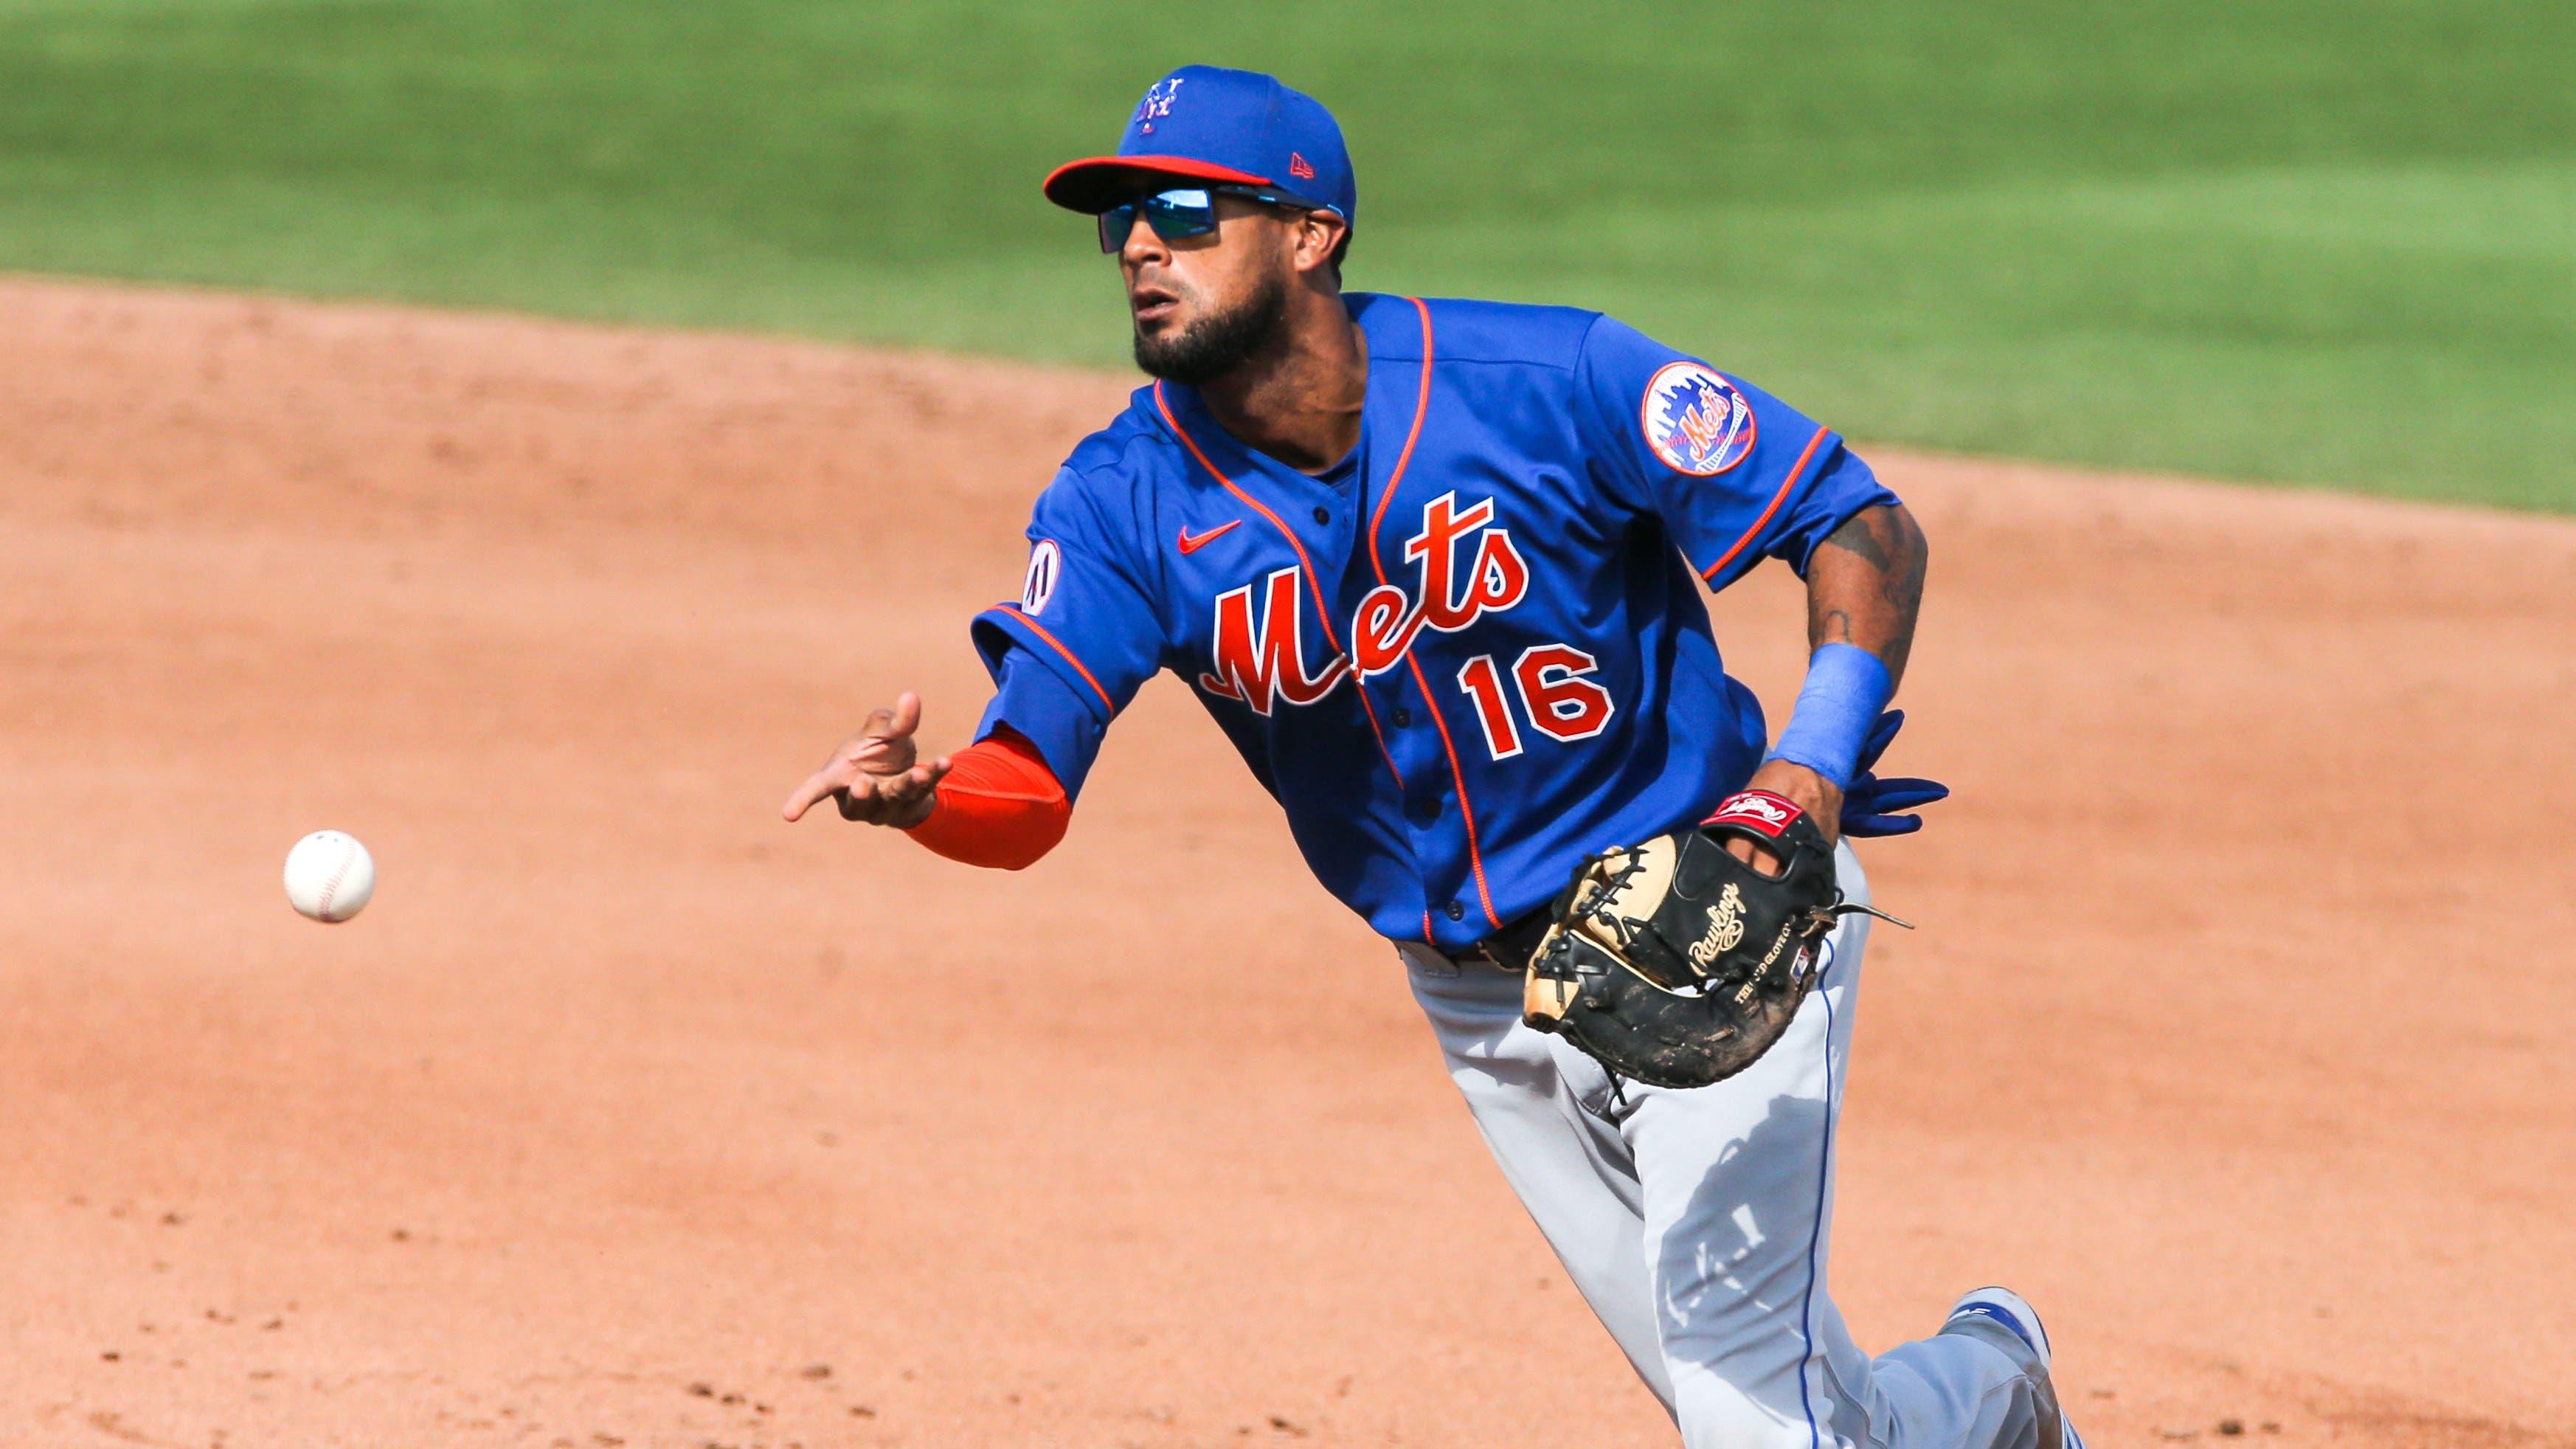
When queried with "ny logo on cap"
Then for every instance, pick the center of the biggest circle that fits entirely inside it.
(1157, 102)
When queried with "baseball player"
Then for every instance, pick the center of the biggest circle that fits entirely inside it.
(1434, 568)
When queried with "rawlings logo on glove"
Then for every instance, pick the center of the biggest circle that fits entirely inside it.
(1725, 927)
(1758, 809)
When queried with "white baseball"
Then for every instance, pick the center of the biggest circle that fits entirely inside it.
(329, 876)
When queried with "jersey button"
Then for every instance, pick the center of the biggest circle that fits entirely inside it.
(1401, 719)
(1456, 911)
(1423, 812)
(1323, 515)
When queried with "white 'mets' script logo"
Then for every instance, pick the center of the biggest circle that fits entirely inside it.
(1260, 654)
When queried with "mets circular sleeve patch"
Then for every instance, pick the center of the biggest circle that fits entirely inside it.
(1696, 421)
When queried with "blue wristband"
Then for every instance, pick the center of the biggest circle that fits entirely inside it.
(1846, 688)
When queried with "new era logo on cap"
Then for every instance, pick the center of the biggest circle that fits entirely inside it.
(1300, 167)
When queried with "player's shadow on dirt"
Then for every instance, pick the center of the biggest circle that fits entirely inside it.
(1732, 1279)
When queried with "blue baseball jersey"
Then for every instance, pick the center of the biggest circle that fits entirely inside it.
(1470, 653)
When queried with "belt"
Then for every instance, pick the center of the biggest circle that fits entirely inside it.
(1510, 948)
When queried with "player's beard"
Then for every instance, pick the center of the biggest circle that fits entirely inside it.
(1216, 345)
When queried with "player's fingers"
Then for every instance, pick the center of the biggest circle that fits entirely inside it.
(906, 717)
(879, 755)
(908, 799)
(872, 777)
(1881, 734)
(817, 785)
(1753, 855)
(860, 798)
(903, 792)
(1904, 793)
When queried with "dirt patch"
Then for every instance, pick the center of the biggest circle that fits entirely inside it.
(627, 1115)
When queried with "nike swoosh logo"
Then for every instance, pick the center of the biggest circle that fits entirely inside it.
(1193, 542)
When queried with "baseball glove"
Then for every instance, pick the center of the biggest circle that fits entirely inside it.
(1676, 964)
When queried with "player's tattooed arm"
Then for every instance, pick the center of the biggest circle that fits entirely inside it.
(1865, 585)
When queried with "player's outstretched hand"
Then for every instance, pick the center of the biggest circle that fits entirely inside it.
(874, 776)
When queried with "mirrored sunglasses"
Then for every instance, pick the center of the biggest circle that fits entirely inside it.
(1180, 212)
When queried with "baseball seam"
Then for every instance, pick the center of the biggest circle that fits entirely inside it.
(331, 887)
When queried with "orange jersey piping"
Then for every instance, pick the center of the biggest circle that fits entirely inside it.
(1795, 470)
(1305, 565)
(1041, 631)
(1457, 776)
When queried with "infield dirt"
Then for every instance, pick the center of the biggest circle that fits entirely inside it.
(2233, 1034)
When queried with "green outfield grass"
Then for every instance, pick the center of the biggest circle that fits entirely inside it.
(2308, 241)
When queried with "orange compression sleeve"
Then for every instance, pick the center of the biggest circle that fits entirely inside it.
(998, 805)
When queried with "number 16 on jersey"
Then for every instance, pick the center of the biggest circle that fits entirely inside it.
(1555, 692)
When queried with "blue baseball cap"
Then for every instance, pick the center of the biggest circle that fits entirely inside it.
(1207, 123)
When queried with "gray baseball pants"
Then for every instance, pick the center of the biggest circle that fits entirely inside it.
(1695, 1222)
